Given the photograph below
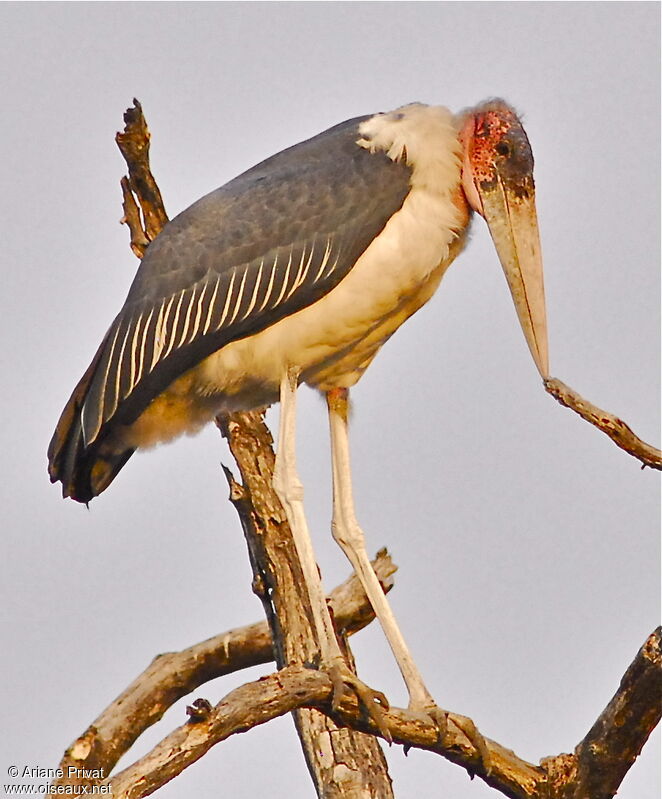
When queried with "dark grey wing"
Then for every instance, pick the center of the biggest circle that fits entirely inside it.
(267, 244)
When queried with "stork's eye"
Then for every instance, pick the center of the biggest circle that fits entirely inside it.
(503, 148)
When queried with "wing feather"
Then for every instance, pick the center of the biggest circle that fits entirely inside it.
(190, 335)
(228, 300)
(212, 306)
(92, 411)
(143, 343)
(285, 281)
(299, 276)
(133, 359)
(322, 267)
(267, 294)
(237, 304)
(267, 244)
(256, 289)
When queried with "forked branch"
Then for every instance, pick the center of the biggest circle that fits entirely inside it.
(173, 675)
(594, 771)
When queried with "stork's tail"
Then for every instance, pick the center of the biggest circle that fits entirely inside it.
(83, 471)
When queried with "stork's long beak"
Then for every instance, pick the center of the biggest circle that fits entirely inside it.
(511, 216)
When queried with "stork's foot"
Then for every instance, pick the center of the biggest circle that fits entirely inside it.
(374, 702)
(475, 736)
(440, 720)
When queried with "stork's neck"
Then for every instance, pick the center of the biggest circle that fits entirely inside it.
(426, 138)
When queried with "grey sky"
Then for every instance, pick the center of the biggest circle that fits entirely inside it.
(527, 543)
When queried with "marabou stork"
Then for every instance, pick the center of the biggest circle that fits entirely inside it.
(297, 271)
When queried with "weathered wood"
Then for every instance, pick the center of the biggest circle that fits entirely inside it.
(342, 762)
(614, 742)
(172, 675)
(594, 771)
(133, 142)
(619, 432)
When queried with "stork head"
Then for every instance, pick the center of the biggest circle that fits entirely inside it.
(497, 178)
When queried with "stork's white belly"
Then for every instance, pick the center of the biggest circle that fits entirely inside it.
(333, 341)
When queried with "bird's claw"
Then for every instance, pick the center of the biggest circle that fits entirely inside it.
(440, 719)
(478, 741)
(374, 702)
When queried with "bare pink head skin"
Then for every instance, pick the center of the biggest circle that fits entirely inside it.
(497, 180)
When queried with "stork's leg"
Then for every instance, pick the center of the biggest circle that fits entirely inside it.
(289, 488)
(349, 536)
(290, 492)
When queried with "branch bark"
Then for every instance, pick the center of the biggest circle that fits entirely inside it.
(594, 771)
(341, 761)
(133, 142)
(604, 756)
(173, 675)
(297, 687)
(619, 432)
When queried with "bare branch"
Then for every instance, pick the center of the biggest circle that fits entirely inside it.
(134, 146)
(252, 704)
(593, 772)
(173, 675)
(295, 687)
(132, 218)
(611, 746)
(342, 762)
(611, 425)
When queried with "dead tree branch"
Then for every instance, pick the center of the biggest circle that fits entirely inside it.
(603, 758)
(133, 142)
(357, 766)
(173, 675)
(594, 771)
(139, 240)
(297, 687)
(619, 432)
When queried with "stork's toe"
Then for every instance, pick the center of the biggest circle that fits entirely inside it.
(441, 717)
(374, 702)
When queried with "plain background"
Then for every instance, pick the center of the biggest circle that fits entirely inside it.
(527, 542)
